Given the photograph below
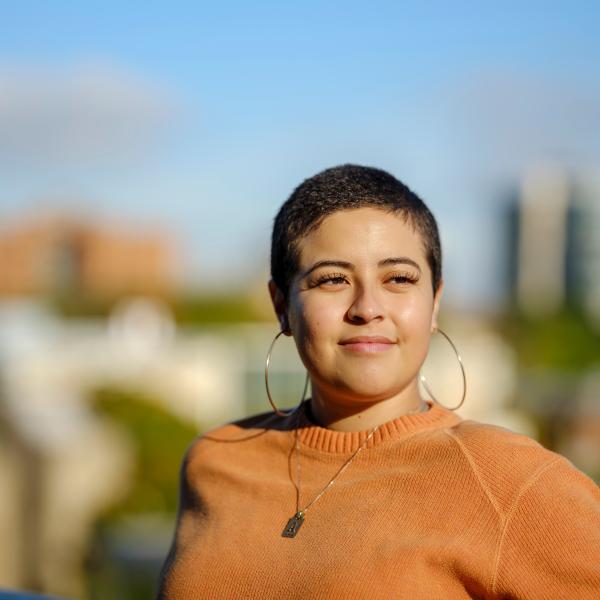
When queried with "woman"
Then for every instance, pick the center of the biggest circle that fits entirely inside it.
(366, 490)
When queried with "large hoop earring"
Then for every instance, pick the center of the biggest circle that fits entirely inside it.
(281, 413)
(462, 370)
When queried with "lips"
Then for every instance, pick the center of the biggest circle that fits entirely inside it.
(367, 339)
(367, 343)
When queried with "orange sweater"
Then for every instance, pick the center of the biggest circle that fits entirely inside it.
(434, 507)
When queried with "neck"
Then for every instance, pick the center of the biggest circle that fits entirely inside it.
(343, 415)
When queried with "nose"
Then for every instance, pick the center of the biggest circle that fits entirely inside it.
(365, 306)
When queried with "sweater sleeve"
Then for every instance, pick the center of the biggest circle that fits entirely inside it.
(550, 545)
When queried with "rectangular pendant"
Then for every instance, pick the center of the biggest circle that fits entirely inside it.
(291, 529)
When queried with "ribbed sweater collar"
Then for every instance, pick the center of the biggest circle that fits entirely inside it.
(328, 440)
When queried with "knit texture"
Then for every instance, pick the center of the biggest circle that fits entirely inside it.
(434, 507)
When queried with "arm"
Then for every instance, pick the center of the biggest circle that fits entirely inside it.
(550, 545)
(188, 502)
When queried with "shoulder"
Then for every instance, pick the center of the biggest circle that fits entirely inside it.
(550, 532)
(485, 441)
(505, 462)
(227, 439)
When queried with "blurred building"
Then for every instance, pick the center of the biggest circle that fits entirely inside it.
(59, 254)
(584, 251)
(554, 242)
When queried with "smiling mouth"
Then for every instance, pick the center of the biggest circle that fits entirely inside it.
(367, 344)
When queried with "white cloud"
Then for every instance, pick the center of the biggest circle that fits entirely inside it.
(86, 114)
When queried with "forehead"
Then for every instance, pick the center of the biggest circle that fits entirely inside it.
(362, 235)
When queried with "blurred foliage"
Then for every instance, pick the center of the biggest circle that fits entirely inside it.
(187, 309)
(565, 341)
(160, 440)
(70, 305)
(124, 561)
(197, 310)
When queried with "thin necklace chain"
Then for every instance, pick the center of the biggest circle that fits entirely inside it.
(332, 480)
(339, 471)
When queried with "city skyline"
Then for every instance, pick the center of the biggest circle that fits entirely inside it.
(206, 123)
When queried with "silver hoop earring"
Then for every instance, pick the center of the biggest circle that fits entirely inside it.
(462, 370)
(281, 413)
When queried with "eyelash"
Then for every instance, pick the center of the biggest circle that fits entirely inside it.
(330, 277)
(336, 277)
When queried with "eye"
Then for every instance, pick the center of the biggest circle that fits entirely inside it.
(331, 280)
(402, 278)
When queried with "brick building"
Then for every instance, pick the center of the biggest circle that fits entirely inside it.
(57, 254)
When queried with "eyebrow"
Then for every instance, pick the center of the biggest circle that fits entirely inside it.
(386, 262)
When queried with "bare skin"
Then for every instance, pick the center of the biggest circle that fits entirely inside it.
(361, 310)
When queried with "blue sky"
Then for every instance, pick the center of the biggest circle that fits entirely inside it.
(203, 117)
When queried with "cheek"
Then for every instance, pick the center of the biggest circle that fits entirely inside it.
(315, 322)
(413, 319)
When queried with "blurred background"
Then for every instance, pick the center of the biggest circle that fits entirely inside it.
(144, 151)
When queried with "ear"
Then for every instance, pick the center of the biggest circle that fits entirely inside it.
(436, 306)
(280, 306)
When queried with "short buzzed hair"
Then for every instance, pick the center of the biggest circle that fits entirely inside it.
(341, 188)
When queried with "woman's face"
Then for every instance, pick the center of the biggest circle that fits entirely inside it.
(361, 307)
